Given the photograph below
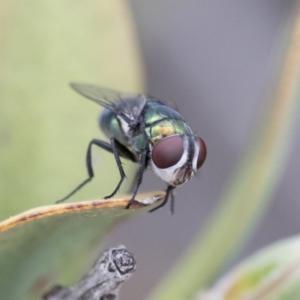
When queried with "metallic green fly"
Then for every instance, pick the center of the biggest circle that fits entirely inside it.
(146, 131)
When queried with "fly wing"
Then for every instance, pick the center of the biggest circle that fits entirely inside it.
(126, 105)
(169, 103)
(102, 96)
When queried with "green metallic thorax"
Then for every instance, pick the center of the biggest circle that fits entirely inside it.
(160, 121)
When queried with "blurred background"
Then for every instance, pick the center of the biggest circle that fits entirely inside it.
(216, 60)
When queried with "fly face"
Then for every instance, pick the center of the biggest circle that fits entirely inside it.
(146, 131)
(176, 158)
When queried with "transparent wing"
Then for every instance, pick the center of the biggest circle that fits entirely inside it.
(127, 105)
(169, 103)
(102, 96)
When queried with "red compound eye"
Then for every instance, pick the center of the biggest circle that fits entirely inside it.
(202, 153)
(168, 152)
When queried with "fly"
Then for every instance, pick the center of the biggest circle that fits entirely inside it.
(146, 131)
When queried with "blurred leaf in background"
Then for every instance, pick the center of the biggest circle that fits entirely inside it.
(45, 127)
(252, 186)
(272, 273)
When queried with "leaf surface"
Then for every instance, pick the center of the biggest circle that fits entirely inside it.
(51, 244)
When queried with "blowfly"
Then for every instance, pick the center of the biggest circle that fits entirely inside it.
(146, 131)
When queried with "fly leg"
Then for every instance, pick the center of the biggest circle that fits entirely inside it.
(115, 145)
(108, 147)
(172, 204)
(169, 193)
(143, 164)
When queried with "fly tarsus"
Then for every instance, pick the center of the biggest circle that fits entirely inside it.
(169, 193)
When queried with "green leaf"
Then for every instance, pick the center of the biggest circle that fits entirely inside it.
(271, 274)
(52, 244)
(45, 127)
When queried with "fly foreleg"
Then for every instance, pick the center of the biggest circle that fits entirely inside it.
(169, 194)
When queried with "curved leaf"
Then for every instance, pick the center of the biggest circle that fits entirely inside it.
(51, 244)
(271, 274)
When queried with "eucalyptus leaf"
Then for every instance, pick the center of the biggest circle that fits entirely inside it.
(51, 244)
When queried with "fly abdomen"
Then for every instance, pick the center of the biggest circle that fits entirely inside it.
(111, 126)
